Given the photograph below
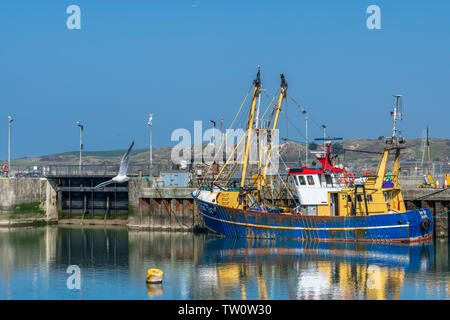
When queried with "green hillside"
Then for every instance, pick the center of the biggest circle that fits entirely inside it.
(102, 154)
(290, 151)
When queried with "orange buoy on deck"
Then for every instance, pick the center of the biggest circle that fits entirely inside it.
(369, 173)
(352, 177)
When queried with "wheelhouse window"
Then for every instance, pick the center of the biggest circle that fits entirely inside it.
(310, 180)
(302, 181)
(293, 181)
(328, 179)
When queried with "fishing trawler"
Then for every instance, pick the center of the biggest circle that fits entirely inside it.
(331, 204)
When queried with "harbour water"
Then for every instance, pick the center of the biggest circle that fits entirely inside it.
(113, 263)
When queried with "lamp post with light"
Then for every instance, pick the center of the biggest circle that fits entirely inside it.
(81, 142)
(324, 137)
(10, 120)
(150, 124)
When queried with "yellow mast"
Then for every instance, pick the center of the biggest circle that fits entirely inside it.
(381, 170)
(275, 122)
(396, 168)
(256, 93)
(395, 141)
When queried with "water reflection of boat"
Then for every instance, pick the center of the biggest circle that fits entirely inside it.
(323, 270)
(411, 256)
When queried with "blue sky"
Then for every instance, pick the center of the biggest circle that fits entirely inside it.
(132, 58)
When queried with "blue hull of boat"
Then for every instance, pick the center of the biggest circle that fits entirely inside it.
(410, 226)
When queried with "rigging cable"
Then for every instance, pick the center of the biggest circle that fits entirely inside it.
(303, 110)
(234, 168)
(222, 142)
(285, 184)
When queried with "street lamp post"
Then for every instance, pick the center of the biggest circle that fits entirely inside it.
(81, 142)
(150, 124)
(10, 120)
(324, 137)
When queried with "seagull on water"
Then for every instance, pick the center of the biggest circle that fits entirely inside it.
(122, 176)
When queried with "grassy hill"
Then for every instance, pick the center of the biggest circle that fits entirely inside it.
(439, 149)
(290, 151)
(102, 154)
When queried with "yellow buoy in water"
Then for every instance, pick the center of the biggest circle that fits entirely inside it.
(154, 275)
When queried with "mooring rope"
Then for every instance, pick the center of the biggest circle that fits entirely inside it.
(441, 214)
(435, 216)
(429, 195)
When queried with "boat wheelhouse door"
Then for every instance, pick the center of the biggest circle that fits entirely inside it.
(334, 204)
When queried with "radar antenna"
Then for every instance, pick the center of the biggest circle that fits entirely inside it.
(397, 115)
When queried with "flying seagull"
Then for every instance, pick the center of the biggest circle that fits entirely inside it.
(122, 176)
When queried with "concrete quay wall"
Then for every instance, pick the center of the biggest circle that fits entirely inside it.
(161, 208)
(437, 200)
(18, 193)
